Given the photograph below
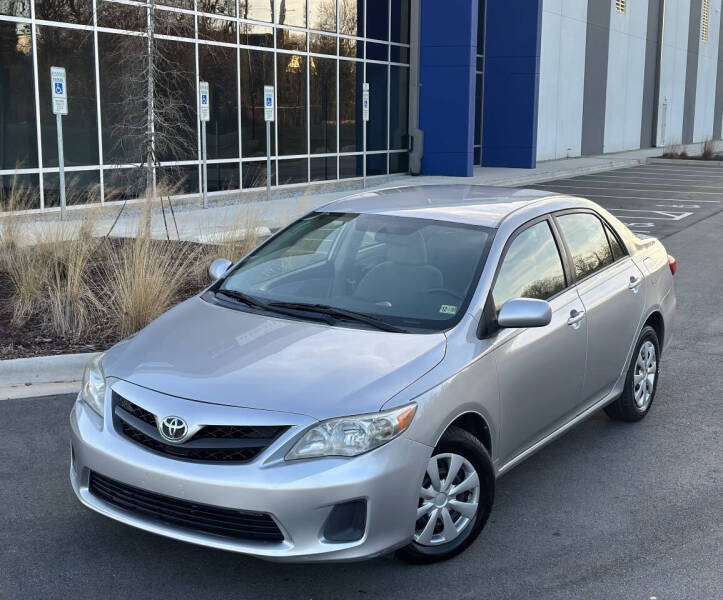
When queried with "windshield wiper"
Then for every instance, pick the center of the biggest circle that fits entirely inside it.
(339, 313)
(275, 307)
(245, 298)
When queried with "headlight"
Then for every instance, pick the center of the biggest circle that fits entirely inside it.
(350, 436)
(92, 390)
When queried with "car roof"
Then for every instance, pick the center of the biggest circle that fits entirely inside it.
(473, 204)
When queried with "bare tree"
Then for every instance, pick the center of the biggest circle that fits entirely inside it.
(150, 102)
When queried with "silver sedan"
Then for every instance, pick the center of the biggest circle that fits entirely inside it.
(357, 383)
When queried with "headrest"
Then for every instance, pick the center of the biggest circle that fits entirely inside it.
(404, 248)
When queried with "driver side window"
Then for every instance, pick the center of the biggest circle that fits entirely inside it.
(531, 267)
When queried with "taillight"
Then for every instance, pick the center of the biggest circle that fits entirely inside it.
(672, 264)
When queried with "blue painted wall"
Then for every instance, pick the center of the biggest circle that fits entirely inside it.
(511, 83)
(448, 45)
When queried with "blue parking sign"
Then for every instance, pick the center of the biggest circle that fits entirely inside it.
(268, 101)
(58, 87)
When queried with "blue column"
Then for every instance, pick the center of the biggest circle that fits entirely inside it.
(511, 83)
(448, 45)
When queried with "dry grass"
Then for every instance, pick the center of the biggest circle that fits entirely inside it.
(708, 150)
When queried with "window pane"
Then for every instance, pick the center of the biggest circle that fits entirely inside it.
(178, 180)
(81, 187)
(323, 169)
(257, 70)
(222, 177)
(121, 16)
(351, 17)
(218, 7)
(219, 30)
(400, 21)
(398, 162)
(256, 35)
(376, 164)
(123, 184)
(587, 242)
(176, 133)
(481, 14)
(531, 267)
(15, 8)
(322, 81)
(72, 49)
(291, 12)
(617, 249)
(350, 166)
(19, 192)
(289, 39)
(399, 54)
(124, 111)
(322, 15)
(322, 44)
(18, 137)
(377, 51)
(293, 171)
(67, 11)
(399, 108)
(351, 48)
(258, 10)
(350, 91)
(291, 107)
(377, 125)
(378, 19)
(217, 65)
(174, 23)
(254, 173)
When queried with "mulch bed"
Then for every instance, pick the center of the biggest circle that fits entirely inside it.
(33, 339)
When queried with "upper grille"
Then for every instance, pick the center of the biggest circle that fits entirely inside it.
(212, 443)
(189, 515)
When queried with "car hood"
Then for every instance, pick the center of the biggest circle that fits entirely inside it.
(209, 353)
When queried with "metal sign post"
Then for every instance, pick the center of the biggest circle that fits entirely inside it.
(204, 103)
(268, 117)
(365, 118)
(59, 96)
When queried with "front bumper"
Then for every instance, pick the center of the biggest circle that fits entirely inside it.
(298, 495)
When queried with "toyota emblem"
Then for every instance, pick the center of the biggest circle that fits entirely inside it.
(173, 429)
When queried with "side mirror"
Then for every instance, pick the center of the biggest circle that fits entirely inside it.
(525, 312)
(218, 268)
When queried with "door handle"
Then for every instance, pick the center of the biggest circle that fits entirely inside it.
(634, 284)
(576, 317)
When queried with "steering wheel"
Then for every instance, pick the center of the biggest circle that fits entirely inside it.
(454, 295)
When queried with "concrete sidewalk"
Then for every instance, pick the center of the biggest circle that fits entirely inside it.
(232, 212)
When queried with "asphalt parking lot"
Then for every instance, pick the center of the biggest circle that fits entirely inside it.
(610, 510)
(656, 199)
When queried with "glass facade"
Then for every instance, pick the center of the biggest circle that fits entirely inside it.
(317, 53)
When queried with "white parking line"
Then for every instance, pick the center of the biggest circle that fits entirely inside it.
(644, 184)
(650, 198)
(651, 177)
(612, 187)
(664, 215)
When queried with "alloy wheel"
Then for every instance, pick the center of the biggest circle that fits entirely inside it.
(644, 375)
(448, 499)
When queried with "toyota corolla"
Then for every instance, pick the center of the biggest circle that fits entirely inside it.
(356, 384)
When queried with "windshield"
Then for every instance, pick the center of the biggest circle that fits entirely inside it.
(406, 272)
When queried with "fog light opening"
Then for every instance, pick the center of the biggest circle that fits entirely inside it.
(346, 522)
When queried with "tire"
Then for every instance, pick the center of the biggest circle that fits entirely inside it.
(469, 455)
(630, 406)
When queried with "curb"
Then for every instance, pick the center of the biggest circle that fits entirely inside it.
(682, 161)
(565, 173)
(42, 375)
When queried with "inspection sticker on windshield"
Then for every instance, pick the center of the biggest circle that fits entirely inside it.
(448, 309)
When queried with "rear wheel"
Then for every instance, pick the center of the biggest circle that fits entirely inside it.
(641, 381)
(455, 499)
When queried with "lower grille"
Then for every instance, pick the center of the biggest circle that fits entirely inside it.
(193, 516)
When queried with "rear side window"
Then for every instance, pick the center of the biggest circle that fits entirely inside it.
(614, 243)
(531, 268)
(587, 242)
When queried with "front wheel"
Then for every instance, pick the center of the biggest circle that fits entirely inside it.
(455, 499)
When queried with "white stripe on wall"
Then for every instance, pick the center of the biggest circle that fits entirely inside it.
(707, 72)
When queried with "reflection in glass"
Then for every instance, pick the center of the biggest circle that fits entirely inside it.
(289, 39)
(18, 137)
(256, 35)
(72, 49)
(257, 70)
(398, 108)
(217, 65)
(223, 176)
(174, 23)
(15, 8)
(350, 89)
(257, 10)
(322, 93)
(218, 30)
(291, 103)
(291, 12)
(351, 166)
(81, 187)
(322, 15)
(122, 184)
(323, 169)
(351, 48)
(351, 17)
(254, 173)
(378, 19)
(322, 44)
(531, 267)
(377, 125)
(398, 162)
(178, 180)
(19, 192)
(294, 170)
(587, 242)
(218, 7)
(400, 21)
(121, 16)
(67, 11)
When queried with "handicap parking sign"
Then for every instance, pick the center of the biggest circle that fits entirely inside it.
(204, 99)
(58, 87)
(268, 101)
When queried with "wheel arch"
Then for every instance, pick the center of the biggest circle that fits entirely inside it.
(656, 321)
(475, 424)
